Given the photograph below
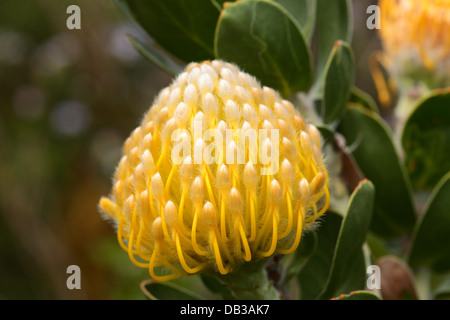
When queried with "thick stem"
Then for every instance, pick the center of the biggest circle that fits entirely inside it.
(250, 282)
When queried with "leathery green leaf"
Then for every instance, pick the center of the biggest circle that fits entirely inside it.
(339, 80)
(375, 154)
(178, 289)
(314, 274)
(264, 40)
(304, 12)
(348, 270)
(153, 55)
(185, 28)
(296, 261)
(431, 240)
(426, 140)
(357, 96)
(334, 22)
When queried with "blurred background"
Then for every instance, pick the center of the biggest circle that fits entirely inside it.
(68, 100)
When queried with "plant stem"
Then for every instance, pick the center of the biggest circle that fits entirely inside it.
(250, 282)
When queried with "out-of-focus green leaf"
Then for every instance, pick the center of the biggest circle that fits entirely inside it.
(158, 58)
(348, 271)
(122, 6)
(304, 12)
(216, 286)
(314, 274)
(296, 261)
(219, 3)
(358, 295)
(376, 156)
(334, 22)
(377, 246)
(326, 132)
(339, 80)
(442, 292)
(431, 239)
(361, 98)
(426, 140)
(185, 28)
(261, 37)
(186, 288)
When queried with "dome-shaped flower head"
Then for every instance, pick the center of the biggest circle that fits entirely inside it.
(221, 171)
(416, 39)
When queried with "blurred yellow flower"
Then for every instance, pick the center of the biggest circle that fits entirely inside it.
(220, 171)
(416, 39)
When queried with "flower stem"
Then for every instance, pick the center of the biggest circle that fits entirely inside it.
(250, 282)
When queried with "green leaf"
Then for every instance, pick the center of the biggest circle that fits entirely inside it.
(122, 6)
(377, 246)
(304, 12)
(296, 261)
(376, 157)
(358, 295)
(431, 240)
(261, 37)
(158, 58)
(339, 80)
(216, 286)
(359, 97)
(442, 292)
(426, 140)
(348, 270)
(334, 22)
(326, 132)
(314, 274)
(219, 3)
(185, 288)
(185, 28)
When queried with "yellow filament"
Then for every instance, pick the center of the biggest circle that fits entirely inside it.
(164, 224)
(183, 261)
(138, 244)
(223, 221)
(194, 233)
(298, 234)
(290, 217)
(252, 217)
(169, 179)
(219, 262)
(184, 229)
(131, 255)
(248, 255)
(273, 245)
(208, 186)
(151, 267)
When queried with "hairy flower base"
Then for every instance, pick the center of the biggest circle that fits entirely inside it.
(177, 218)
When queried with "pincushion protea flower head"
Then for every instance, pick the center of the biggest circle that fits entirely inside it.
(416, 40)
(220, 171)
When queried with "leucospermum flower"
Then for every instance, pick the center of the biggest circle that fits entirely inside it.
(416, 39)
(221, 171)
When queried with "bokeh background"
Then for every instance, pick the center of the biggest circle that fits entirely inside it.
(68, 100)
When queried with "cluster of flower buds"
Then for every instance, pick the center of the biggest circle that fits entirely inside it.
(416, 39)
(220, 172)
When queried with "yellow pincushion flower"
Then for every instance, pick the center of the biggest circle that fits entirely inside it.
(416, 39)
(220, 171)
